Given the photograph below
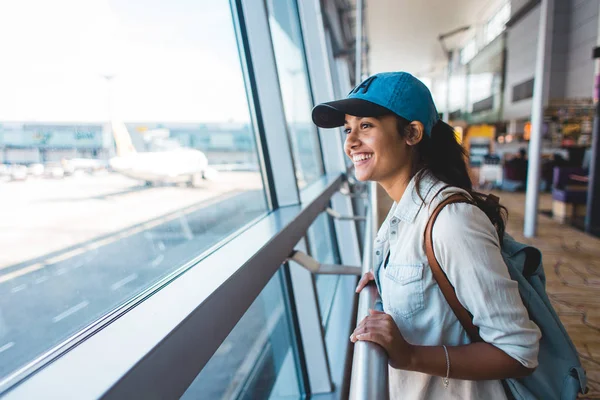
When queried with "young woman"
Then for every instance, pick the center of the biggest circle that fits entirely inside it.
(394, 137)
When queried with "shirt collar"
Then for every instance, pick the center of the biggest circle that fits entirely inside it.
(410, 204)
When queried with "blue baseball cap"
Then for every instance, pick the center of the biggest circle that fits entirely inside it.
(399, 93)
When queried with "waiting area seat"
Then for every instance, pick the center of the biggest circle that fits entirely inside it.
(569, 193)
(514, 177)
(491, 171)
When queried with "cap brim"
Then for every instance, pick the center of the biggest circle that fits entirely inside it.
(333, 113)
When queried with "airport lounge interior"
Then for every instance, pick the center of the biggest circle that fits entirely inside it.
(300, 199)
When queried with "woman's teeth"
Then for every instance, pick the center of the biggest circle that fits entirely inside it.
(361, 157)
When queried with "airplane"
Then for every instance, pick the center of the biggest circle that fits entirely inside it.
(179, 165)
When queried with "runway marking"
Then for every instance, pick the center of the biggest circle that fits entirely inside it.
(156, 262)
(7, 346)
(21, 272)
(70, 311)
(18, 288)
(61, 271)
(40, 280)
(100, 243)
(136, 230)
(64, 256)
(123, 282)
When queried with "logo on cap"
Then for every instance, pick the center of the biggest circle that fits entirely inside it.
(364, 85)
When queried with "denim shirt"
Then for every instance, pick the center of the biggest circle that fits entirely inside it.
(467, 247)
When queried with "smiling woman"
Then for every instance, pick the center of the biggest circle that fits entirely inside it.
(375, 147)
(394, 137)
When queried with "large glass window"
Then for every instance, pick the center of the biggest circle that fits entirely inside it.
(497, 23)
(257, 360)
(126, 151)
(297, 99)
(323, 247)
(468, 52)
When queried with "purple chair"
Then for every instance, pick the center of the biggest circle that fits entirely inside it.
(567, 190)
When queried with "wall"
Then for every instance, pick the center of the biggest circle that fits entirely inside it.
(517, 4)
(583, 31)
(575, 33)
(485, 80)
(520, 60)
(560, 49)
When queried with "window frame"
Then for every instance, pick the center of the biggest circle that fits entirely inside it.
(132, 351)
(303, 49)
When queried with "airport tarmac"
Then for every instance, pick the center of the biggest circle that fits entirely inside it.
(38, 217)
(76, 248)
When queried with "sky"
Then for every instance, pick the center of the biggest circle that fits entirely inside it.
(171, 61)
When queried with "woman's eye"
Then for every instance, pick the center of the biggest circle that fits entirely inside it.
(365, 126)
(347, 131)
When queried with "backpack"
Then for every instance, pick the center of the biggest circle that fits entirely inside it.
(559, 374)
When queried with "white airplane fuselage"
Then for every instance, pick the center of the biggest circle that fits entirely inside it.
(171, 166)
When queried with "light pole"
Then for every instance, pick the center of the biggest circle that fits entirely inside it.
(109, 79)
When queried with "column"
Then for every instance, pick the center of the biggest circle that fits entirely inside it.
(592, 216)
(540, 91)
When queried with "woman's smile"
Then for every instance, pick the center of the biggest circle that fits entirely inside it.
(361, 159)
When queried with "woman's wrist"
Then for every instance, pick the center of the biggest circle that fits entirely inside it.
(430, 360)
(414, 357)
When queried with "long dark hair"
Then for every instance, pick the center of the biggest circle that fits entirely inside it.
(443, 157)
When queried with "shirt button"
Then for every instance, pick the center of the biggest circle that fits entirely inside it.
(378, 252)
(394, 221)
(393, 232)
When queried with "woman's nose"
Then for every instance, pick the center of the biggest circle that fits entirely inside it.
(352, 137)
(351, 141)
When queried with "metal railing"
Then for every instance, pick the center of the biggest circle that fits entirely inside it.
(370, 363)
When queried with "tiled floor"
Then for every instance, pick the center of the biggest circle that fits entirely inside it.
(572, 265)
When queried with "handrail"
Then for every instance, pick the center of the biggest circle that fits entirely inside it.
(370, 363)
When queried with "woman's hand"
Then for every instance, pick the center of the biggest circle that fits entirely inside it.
(380, 328)
(364, 281)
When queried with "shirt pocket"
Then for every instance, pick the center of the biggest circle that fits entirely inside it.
(405, 289)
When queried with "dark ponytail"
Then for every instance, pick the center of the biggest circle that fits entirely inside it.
(443, 157)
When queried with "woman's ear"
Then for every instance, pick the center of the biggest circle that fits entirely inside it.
(414, 133)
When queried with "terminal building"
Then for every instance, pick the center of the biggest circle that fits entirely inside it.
(122, 282)
(29, 143)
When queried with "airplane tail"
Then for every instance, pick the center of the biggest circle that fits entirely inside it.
(122, 139)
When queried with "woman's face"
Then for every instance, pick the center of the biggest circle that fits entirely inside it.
(376, 148)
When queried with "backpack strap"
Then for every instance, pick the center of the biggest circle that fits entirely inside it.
(465, 318)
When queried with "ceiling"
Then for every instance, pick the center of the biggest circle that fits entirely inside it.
(403, 34)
